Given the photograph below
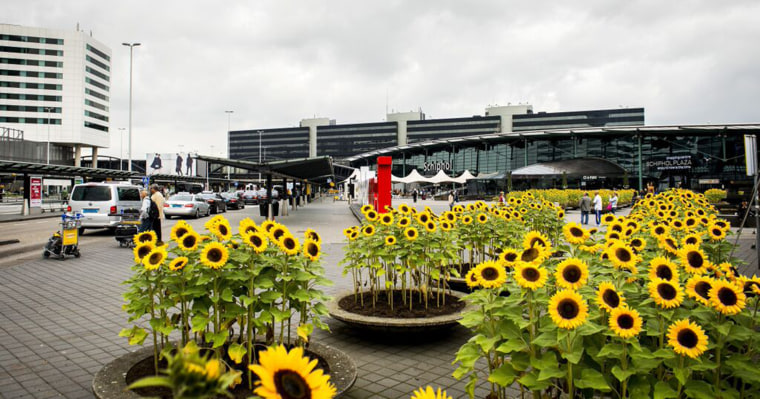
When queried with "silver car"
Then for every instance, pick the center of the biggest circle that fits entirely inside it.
(101, 204)
(187, 205)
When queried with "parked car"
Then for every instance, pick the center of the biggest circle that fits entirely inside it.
(215, 202)
(263, 194)
(101, 204)
(233, 201)
(186, 205)
(251, 197)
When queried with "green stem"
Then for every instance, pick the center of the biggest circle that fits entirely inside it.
(625, 368)
(570, 388)
(680, 386)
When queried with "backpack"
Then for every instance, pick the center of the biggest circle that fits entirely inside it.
(153, 211)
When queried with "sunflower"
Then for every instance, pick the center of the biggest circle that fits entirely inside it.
(693, 260)
(354, 235)
(690, 222)
(637, 244)
(146, 236)
(622, 256)
(509, 257)
(386, 219)
(221, 230)
(612, 235)
(625, 322)
(530, 276)
(311, 234)
(466, 219)
(676, 224)
(141, 250)
(411, 233)
(716, 233)
(248, 226)
(534, 255)
(429, 393)
(616, 226)
(687, 338)
(659, 231)
(561, 214)
(666, 294)
(481, 218)
(284, 374)
(178, 263)
(692, 239)
(668, 243)
(608, 298)
(571, 273)
(214, 220)
(189, 241)
(390, 240)
(278, 231)
(347, 231)
(214, 255)
(404, 208)
(450, 216)
(288, 244)
(471, 278)
(403, 222)
(267, 225)
(446, 226)
(430, 226)
(728, 298)
(155, 258)
(662, 268)
(457, 209)
(366, 208)
(574, 233)
(698, 288)
(423, 218)
(567, 309)
(534, 238)
(180, 228)
(371, 215)
(368, 230)
(490, 274)
(311, 249)
(608, 218)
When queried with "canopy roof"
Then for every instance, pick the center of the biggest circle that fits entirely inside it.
(311, 169)
(572, 167)
(440, 177)
(62, 170)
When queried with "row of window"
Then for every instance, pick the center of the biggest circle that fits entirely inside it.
(96, 94)
(95, 126)
(96, 115)
(96, 105)
(30, 121)
(96, 84)
(31, 39)
(19, 61)
(31, 74)
(26, 85)
(26, 50)
(99, 53)
(29, 108)
(29, 97)
(98, 74)
(98, 63)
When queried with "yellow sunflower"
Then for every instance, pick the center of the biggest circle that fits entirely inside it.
(574, 233)
(411, 233)
(726, 297)
(637, 244)
(687, 338)
(404, 208)
(622, 256)
(311, 249)
(189, 241)
(178, 263)
(509, 257)
(221, 230)
(257, 241)
(423, 218)
(608, 298)
(368, 230)
(311, 234)
(490, 274)
(214, 255)
(716, 232)
(571, 273)
(534, 238)
(693, 260)
(471, 278)
(366, 208)
(568, 309)
(662, 268)
(390, 240)
(430, 226)
(429, 393)
(155, 258)
(530, 276)
(608, 218)
(247, 226)
(692, 239)
(625, 322)
(659, 231)
(284, 374)
(180, 228)
(481, 218)
(403, 222)
(146, 236)
(371, 215)
(446, 226)
(666, 294)
(267, 225)
(698, 288)
(289, 244)
(386, 219)
(466, 219)
(142, 250)
(353, 236)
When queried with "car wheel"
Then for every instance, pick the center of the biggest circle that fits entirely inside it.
(81, 231)
(197, 213)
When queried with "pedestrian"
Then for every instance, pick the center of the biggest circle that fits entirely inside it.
(178, 167)
(451, 200)
(585, 205)
(502, 200)
(158, 199)
(456, 195)
(414, 195)
(145, 220)
(613, 202)
(598, 208)
(189, 163)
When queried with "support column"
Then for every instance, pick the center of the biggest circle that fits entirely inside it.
(78, 155)
(95, 157)
(641, 167)
(270, 216)
(284, 197)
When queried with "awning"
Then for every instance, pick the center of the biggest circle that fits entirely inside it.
(62, 170)
(315, 169)
(572, 167)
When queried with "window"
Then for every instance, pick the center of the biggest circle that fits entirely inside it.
(96, 94)
(128, 194)
(92, 193)
(97, 73)
(98, 63)
(95, 126)
(99, 53)
(96, 84)
(96, 116)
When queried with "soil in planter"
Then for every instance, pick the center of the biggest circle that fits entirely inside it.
(383, 309)
(144, 368)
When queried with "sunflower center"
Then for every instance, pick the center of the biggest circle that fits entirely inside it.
(278, 233)
(695, 259)
(289, 243)
(611, 298)
(666, 291)
(181, 231)
(617, 228)
(312, 250)
(290, 385)
(702, 289)
(568, 309)
(510, 257)
(727, 297)
(636, 242)
(625, 321)
(664, 272)
(223, 229)
(531, 274)
(623, 255)
(155, 258)
(214, 255)
(691, 240)
(538, 241)
(255, 240)
(250, 229)
(571, 274)
(529, 255)
(489, 274)
(659, 230)
(145, 238)
(143, 251)
(717, 232)
(576, 232)
(188, 241)
(687, 338)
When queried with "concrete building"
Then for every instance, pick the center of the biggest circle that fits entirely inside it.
(55, 87)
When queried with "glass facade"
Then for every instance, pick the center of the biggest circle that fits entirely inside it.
(578, 119)
(341, 141)
(276, 144)
(454, 127)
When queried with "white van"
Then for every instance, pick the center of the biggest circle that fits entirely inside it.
(101, 204)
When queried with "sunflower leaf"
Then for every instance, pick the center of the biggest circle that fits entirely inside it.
(662, 390)
(547, 339)
(503, 376)
(611, 350)
(699, 390)
(530, 381)
(592, 379)
(512, 345)
(621, 374)
(236, 352)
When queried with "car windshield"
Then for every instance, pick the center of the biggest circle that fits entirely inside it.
(181, 197)
(207, 196)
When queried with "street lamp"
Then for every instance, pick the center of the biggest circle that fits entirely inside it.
(229, 116)
(129, 147)
(48, 110)
(260, 131)
(121, 148)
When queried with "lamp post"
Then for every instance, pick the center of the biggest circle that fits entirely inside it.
(260, 131)
(129, 146)
(48, 110)
(229, 117)
(121, 148)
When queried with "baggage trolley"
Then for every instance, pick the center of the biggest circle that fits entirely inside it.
(127, 228)
(65, 242)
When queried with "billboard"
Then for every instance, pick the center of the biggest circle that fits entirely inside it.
(176, 164)
(35, 192)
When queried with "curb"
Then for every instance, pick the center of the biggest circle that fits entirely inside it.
(16, 249)
(20, 218)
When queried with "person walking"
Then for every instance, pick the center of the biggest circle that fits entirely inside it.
(613, 202)
(585, 205)
(502, 200)
(451, 200)
(598, 208)
(178, 167)
(145, 220)
(414, 195)
(158, 199)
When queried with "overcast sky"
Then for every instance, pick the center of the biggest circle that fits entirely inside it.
(276, 62)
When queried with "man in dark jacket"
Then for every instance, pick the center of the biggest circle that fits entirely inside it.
(585, 205)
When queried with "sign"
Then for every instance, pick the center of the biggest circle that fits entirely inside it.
(709, 181)
(177, 164)
(436, 166)
(35, 192)
(679, 162)
(750, 153)
(70, 237)
(145, 181)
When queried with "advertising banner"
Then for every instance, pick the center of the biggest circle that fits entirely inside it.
(176, 164)
(35, 192)
(677, 162)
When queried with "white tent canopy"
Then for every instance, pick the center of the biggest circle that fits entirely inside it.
(466, 175)
(415, 177)
(442, 177)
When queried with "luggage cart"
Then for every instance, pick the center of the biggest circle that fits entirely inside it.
(127, 228)
(65, 241)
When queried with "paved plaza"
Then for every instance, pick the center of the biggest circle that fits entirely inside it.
(59, 320)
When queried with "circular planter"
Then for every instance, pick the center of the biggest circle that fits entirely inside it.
(396, 325)
(110, 382)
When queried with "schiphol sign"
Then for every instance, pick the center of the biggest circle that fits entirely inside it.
(680, 162)
(436, 166)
